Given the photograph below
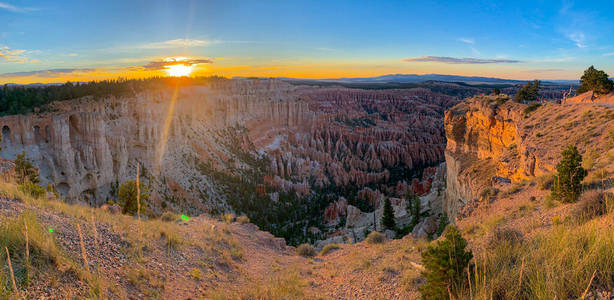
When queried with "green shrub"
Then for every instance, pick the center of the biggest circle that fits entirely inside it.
(25, 170)
(32, 189)
(445, 264)
(127, 197)
(328, 248)
(567, 183)
(306, 250)
(375, 238)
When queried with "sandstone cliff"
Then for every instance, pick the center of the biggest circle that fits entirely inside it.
(493, 142)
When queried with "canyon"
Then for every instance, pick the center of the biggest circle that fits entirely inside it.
(351, 145)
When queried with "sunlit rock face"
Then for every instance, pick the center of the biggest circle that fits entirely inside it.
(313, 137)
(485, 140)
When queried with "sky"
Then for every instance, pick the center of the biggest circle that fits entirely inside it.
(81, 40)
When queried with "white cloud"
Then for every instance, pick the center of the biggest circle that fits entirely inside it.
(454, 60)
(466, 40)
(577, 38)
(13, 8)
(178, 43)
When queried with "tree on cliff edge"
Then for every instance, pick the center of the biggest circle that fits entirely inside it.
(528, 92)
(595, 80)
(388, 217)
(567, 184)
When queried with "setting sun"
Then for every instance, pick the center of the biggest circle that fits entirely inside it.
(179, 70)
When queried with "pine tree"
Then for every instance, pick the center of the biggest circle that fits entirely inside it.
(127, 197)
(413, 207)
(595, 80)
(388, 217)
(567, 183)
(445, 264)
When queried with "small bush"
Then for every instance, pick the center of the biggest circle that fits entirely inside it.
(328, 248)
(544, 182)
(505, 235)
(32, 189)
(243, 219)
(168, 216)
(556, 220)
(375, 238)
(195, 273)
(173, 241)
(306, 250)
(592, 204)
(228, 218)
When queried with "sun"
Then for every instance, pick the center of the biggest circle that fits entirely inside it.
(179, 70)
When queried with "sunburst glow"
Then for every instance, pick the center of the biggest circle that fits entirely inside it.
(179, 70)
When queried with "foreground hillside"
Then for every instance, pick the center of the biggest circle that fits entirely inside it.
(170, 258)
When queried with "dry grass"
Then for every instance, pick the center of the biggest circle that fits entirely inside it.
(243, 219)
(306, 250)
(329, 248)
(549, 265)
(375, 238)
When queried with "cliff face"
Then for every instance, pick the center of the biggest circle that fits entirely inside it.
(313, 137)
(486, 143)
(84, 147)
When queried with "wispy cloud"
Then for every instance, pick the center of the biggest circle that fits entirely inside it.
(466, 40)
(577, 38)
(178, 43)
(47, 73)
(454, 60)
(162, 64)
(13, 8)
(12, 55)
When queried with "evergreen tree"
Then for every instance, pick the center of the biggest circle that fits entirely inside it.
(595, 80)
(567, 183)
(528, 92)
(127, 197)
(413, 207)
(496, 91)
(25, 170)
(445, 264)
(388, 217)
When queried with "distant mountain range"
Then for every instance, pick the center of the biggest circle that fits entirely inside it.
(414, 78)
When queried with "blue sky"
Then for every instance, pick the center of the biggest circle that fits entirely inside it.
(44, 41)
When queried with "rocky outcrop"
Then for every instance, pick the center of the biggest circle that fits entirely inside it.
(486, 140)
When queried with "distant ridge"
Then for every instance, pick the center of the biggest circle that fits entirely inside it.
(415, 78)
